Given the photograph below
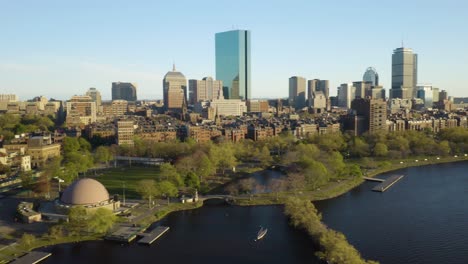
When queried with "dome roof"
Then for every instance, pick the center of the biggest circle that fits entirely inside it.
(174, 75)
(85, 191)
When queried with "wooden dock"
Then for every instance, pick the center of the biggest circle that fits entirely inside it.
(124, 234)
(387, 183)
(373, 179)
(149, 238)
(32, 258)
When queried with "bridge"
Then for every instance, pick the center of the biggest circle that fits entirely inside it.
(216, 196)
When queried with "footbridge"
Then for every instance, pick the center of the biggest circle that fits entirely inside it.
(216, 196)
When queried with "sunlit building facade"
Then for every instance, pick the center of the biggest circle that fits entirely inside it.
(233, 63)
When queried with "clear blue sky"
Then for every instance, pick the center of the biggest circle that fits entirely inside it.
(61, 48)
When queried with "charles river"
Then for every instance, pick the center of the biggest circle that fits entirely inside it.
(421, 219)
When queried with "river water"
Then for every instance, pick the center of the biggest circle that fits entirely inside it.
(421, 219)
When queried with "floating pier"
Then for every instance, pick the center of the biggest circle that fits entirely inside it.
(32, 257)
(387, 183)
(124, 234)
(149, 238)
(373, 179)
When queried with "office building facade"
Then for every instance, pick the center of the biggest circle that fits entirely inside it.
(372, 76)
(404, 73)
(233, 63)
(174, 90)
(124, 91)
(205, 89)
(297, 87)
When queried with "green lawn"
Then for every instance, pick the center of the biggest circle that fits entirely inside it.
(114, 178)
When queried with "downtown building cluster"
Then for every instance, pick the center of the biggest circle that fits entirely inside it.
(222, 108)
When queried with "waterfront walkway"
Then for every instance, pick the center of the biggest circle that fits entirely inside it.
(32, 257)
(387, 183)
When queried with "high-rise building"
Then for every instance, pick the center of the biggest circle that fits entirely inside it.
(372, 76)
(125, 132)
(297, 86)
(205, 89)
(174, 90)
(404, 73)
(376, 92)
(124, 91)
(426, 93)
(316, 85)
(346, 93)
(81, 110)
(362, 88)
(96, 96)
(374, 112)
(233, 63)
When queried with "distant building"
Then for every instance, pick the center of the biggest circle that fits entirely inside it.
(426, 93)
(346, 93)
(258, 106)
(376, 92)
(316, 85)
(404, 73)
(41, 149)
(124, 91)
(318, 102)
(81, 110)
(205, 89)
(374, 112)
(9, 98)
(233, 63)
(96, 96)
(115, 108)
(174, 90)
(361, 89)
(371, 76)
(297, 87)
(125, 132)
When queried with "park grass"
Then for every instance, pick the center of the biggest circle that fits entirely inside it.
(114, 178)
(174, 207)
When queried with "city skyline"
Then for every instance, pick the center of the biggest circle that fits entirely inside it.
(62, 49)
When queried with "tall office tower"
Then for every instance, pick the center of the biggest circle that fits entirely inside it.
(376, 92)
(435, 94)
(124, 91)
(96, 96)
(372, 76)
(443, 95)
(362, 88)
(426, 93)
(125, 132)
(346, 93)
(297, 87)
(318, 85)
(205, 89)
(233, 63)
(174, 90)
(374, 112)
(404, 73)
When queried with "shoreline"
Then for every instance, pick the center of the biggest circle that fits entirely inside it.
(331, 190)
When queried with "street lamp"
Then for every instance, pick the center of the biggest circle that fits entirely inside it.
(59, 181)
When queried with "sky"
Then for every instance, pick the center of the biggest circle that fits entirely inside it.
(61, 48)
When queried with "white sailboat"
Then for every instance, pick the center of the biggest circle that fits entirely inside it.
(261, 233)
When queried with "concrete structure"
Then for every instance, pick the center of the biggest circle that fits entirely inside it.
(125, 132)
(88, 193)
(362, 88)
(81, 110)
(96, 97)
(426, 93)
(41, 149)
(258, 106)
(404, 73)
(231, 107)
(376, 92)
(318, 102)
(374, 112)
(124, 91)
(316, 85)
(297, 96)
(397, 105)
(205, 89)
(174, 90)
(346, 93)
(233, 63)
(9, 98)
(372, 76)
(115, 108)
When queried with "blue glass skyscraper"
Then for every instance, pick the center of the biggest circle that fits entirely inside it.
(233, 63)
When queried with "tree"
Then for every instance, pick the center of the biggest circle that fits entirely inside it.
(295, 181)
(77, 220)
(277, 185)
(27, 240)
(380, 150)
(148, 190)
(26, 180)
(101, 220)
(264, 156)
(70, 145)
(232, 189)
(169, 173)
(103, 155)
(205, 167)
(168, 189)
(247, 186)
(55, 232)
(191, 180)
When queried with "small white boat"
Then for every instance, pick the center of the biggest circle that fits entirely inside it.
(261, 233)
